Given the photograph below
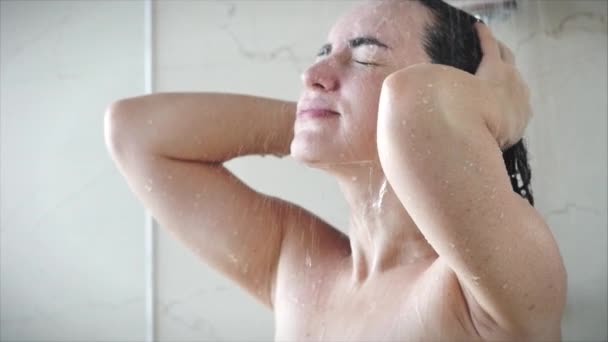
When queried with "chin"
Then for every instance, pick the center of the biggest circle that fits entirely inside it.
(312, 152)
(321, 149)
(305, 152)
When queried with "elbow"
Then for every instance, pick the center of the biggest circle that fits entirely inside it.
(408, 96)
(113, 126)
(406, 107)
(395, 105)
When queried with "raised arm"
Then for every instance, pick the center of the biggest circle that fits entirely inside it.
(442, 156)
(170, 148)
(203, 127)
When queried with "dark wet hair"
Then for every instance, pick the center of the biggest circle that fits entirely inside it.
(451, 39)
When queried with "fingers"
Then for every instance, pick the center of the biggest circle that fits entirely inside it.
(489, 45)
(506, 54)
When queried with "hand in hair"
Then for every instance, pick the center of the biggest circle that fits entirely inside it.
(509, 91)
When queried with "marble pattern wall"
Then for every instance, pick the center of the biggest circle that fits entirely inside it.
(71, 233)
(71, 237)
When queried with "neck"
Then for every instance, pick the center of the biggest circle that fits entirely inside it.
(382, 234)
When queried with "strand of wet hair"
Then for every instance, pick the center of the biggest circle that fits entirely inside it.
(516, 162)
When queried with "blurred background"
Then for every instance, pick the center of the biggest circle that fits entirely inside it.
(77, 261)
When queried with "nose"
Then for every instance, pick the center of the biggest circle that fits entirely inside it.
(321, 76)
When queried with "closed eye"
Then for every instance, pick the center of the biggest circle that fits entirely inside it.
(325, 50)
(364, 63)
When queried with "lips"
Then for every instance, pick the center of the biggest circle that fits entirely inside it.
(317, 112)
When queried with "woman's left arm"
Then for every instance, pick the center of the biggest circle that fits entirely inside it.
(440, 136)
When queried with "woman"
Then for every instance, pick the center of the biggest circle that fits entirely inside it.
(439, 245)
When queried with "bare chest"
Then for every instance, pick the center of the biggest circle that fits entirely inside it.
(395, 308)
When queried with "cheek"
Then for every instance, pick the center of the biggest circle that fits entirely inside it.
(366, 92)
(364, 99)
(368, 104)
(365, 118)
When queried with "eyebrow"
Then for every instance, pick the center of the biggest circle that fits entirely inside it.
(354, 43)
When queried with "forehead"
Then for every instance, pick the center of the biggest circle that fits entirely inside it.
(395, 23)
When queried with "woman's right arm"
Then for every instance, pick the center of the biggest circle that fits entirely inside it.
(204, 127)
(170, 149)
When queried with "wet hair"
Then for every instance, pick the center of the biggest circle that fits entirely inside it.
(451, 39)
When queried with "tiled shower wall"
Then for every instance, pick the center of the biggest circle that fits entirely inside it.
(71, 233)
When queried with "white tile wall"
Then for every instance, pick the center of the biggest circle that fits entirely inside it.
(71, 249)
(561, 49)
(71, 233)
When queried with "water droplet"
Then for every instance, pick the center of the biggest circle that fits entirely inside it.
(198, 195)
(505, 286)
(149, 188)
(233, 258)
(149, 122)
(425, 100)
(403, 122)
(452, 245)
(430, 85)
(235, 232)
(308, 261)
(169, 176)
(354, 178)
(502, 214)
(467, 250)
(372, 306)
(476, 278)
(294, 299)
(493, 194)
